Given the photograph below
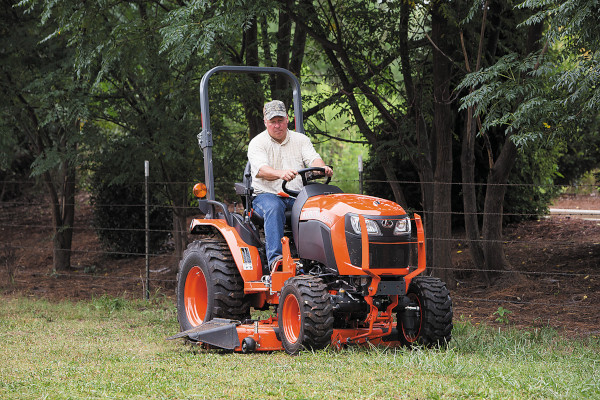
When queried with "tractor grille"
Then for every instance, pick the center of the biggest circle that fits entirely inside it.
(381, 254)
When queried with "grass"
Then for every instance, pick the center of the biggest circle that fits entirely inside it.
(113, 348)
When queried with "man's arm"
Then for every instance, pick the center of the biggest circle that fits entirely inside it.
(271, 174)
(257, 156)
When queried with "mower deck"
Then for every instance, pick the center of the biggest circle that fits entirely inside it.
(263, 335)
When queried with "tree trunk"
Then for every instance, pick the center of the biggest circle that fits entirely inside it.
(422, 161)
(284, 34)
(63, 216)
(442, 188)
(298, 46)
(426, 177)
(467, 159)
(252, 98)
(390, 175)
(493, 247)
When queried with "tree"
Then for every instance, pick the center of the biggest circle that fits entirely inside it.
(398, 110)
(572, 33)
(145, 61)
(254, 43)
(44, 108)
(523, 98)
(141, 98)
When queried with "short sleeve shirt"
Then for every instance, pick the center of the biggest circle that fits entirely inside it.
(295, 152)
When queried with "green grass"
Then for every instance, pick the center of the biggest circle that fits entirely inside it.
(113, 348)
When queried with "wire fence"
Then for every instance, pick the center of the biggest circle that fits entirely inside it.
(560, 250)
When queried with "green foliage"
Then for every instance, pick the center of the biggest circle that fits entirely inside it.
(573, 31)
(344, 158)
(513, 96)
(324, 128)
(198, 26)
(502, 314)
(43, 105)
(543, 93)
(119, 219)
(119, 212)
(545, 101)
(531, 183)
(581, 153)
(141, 61)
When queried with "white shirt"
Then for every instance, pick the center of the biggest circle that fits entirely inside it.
(295, 152)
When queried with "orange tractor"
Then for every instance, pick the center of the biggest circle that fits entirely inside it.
(352, 268)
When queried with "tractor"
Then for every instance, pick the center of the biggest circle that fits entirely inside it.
(352, 271)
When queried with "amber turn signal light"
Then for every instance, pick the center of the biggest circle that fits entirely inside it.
(200, 190)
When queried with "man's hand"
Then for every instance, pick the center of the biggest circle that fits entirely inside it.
(320, 163)
(288, 175)
(328, 171)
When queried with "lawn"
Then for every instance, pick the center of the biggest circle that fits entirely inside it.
(115, 348)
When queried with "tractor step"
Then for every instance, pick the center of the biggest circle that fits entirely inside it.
(217, 332)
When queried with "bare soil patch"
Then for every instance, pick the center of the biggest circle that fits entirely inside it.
(554, 280)
(591, 202)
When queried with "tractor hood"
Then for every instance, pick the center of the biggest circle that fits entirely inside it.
(325, 229)
(331, 208)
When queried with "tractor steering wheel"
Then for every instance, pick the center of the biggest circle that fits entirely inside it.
(307, 176)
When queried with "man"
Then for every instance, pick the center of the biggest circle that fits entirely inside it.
(276, 155)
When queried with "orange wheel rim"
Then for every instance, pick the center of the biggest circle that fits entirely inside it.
(412, 337)
(195, 296)
(291, 319)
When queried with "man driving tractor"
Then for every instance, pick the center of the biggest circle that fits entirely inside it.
(348, 272)
(276, 155)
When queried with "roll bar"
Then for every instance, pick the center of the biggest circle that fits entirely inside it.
(205, 136)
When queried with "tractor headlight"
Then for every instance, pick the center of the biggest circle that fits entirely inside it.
(402, 226)
(372, 227)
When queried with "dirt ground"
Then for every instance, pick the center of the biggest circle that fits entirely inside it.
(554, 278)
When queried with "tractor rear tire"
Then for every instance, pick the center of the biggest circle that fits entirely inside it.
(209, 285)
(305, 314)
(430, 324)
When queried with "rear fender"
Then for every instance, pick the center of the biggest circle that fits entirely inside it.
(246, 257)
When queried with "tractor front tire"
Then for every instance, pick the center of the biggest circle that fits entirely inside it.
(209, 285)
(305, 314)
(428, 320)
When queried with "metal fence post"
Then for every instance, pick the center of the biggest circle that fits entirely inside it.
(360, 173)
(146, 175)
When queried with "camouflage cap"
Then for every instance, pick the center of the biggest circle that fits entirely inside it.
(273, 109)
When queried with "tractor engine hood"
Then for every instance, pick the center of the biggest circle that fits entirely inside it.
(331, 208)
(327, 231)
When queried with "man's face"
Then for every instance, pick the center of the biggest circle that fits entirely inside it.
(277, 127)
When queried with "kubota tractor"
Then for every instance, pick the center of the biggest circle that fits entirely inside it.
(352, 268)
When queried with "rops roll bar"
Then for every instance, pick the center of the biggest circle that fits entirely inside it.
(205, 136)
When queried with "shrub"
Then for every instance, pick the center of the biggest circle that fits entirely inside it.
(119, 217)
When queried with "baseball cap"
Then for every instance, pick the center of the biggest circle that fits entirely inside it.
(273, 109)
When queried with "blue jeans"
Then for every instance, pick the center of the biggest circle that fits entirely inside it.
(272, 209)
